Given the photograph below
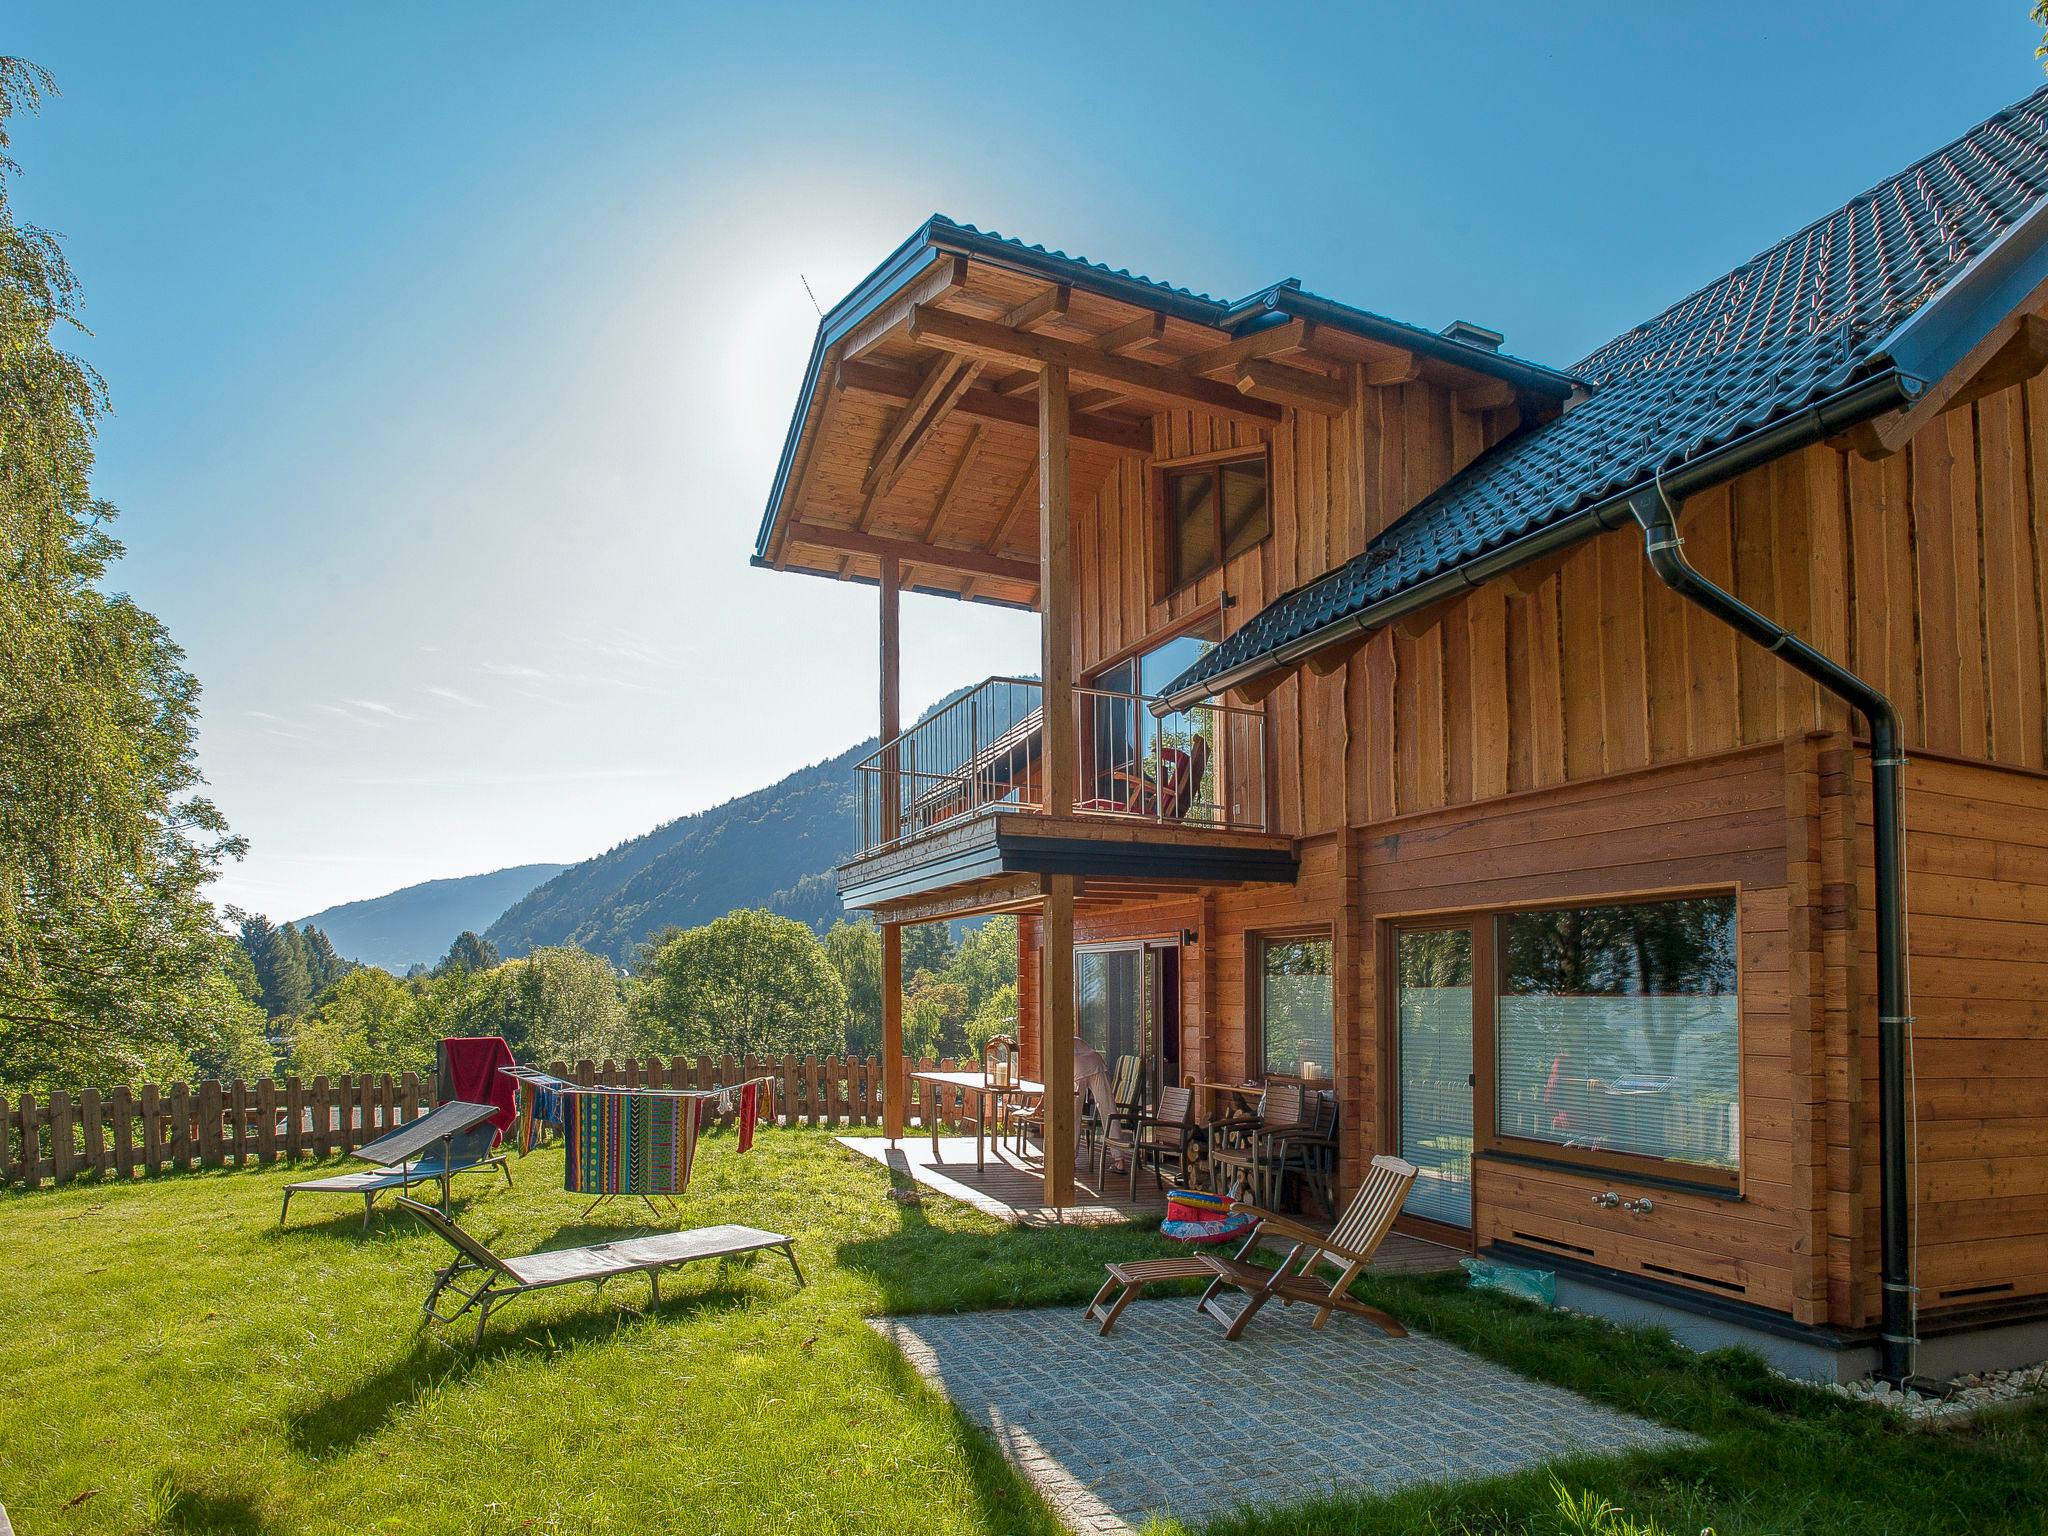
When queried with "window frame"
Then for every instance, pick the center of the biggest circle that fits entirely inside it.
(1255, 1003)
(1489, 1140)
(1165, 583)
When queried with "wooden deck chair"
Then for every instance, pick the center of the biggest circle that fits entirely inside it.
(493, 1281)
(1348, 1248)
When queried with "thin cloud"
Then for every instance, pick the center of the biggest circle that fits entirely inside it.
(352, 717)
(507, 669)
(452, 696)
(380, 708)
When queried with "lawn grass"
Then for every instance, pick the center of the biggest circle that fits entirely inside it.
(174, 1362)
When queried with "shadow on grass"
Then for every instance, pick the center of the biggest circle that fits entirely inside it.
(434, 1358)
(216, 1514)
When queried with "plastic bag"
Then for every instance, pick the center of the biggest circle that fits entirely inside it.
(1537, 1285)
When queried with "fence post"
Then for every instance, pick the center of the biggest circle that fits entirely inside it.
(31, 1143)
(409, 1096)
(207, 1112)
(123, 1111)
(238, 1122)
(6, 1141)
(387, 1102)
(181, 1127)
(60, 1137)
(266, 1120)
(152, 1129)
(366, 1107)
(296, 1128)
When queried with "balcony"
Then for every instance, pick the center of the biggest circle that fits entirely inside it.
(960, 796)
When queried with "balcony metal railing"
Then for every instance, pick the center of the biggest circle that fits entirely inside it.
(982, 753)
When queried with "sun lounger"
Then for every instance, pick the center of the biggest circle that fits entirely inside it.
(500, 1280)
(455, 1138)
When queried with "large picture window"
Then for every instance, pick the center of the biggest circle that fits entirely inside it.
(1297, 1007)
(1616, 1032)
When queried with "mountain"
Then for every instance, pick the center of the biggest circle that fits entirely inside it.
(415, 926)
(774, 848)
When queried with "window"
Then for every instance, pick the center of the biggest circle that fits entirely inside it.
(1616, 1033)
(1213, 513)
(1297, 1007)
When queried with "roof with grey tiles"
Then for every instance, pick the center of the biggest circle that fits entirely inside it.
(1799, 322)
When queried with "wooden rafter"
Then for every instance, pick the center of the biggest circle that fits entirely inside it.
(939, 280)
(889, 382)
(1292, 386)
(1483, 395)
(937, 395)
(1335, 657)
(1146, 328)
(954, 480)
(1387, 372)
(2016, 350)
(1026, 495)
(1414, 625)
(1274, 341)
(945, 557)
(968, 337)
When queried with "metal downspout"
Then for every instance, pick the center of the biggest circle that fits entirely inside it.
(1652, 509)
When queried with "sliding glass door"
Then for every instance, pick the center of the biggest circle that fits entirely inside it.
(1433, 1051)
(1122, 996)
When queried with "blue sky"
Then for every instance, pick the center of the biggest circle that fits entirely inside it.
(452, 346)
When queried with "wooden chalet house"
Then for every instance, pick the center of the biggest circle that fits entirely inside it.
(1524, 753)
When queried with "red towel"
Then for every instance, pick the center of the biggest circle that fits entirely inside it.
(470, 1073)
(750, 1107)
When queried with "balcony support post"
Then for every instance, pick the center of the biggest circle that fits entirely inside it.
(892, 697)
(894, 1083)
(1056, 590)
(1056, 1038)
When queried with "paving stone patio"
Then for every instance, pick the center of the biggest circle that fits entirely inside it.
(1285, 1414)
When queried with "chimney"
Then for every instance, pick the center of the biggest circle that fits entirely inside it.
(1474, 335)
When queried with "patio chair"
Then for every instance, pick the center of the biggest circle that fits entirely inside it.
(1123, 1114)
(1165, 1138)
(497, 1281)
(1348, 1248)
(1167, 794)
(454, 1138)
(1309, 1154)
(1247, 1150)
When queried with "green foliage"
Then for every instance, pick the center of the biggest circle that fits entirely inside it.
(554, 1004)
(749, 983)
(955, 996)
(292, 965)
(111, 963)
(468, 953)
(854, 948)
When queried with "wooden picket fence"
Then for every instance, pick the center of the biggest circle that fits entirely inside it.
(144, 1132)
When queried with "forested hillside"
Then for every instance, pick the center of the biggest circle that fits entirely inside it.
(414, 926)
(775, 848)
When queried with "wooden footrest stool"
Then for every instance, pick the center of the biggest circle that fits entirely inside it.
(1134, 1275)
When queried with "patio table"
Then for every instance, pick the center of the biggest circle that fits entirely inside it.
(976, 1083)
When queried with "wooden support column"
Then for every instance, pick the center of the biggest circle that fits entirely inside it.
(1056, 1038)
(894, 1085)
(1056, 591)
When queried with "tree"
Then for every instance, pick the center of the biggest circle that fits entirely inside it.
(287, 987)
(559, 1004)
(368, 1020)
(468, 953)
(854, 946)
(749, 983)
(111, 960)
(927, 947)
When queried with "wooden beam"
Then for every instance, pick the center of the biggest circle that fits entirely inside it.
(938, 280)
(1146, 328)
(1483, 395)
(954, 480)
(1056, 1037)
(1135, 333)
(1273, 341)
(1146, 381)
(1413, 626)
(889, 382)
(1292, 386)
(1056, 602)
(891, 726)
(1528, 578)
(1026, 495)
(1261, 688)
(891, 723)
(945, 557)
(1014, 893)
(1049, 305)
(1405, 369)
(937, 393)
(2014, 351)
(1337, 656)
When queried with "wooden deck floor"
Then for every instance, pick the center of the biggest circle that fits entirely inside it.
(1012, 1189)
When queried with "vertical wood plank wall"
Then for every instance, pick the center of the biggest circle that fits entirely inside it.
(1926, 572)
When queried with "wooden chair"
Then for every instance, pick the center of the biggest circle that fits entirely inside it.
(1165, 1137)
(1246, 1151)
(1309, 1154)
(1119, 1128)
(1348, 1248)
